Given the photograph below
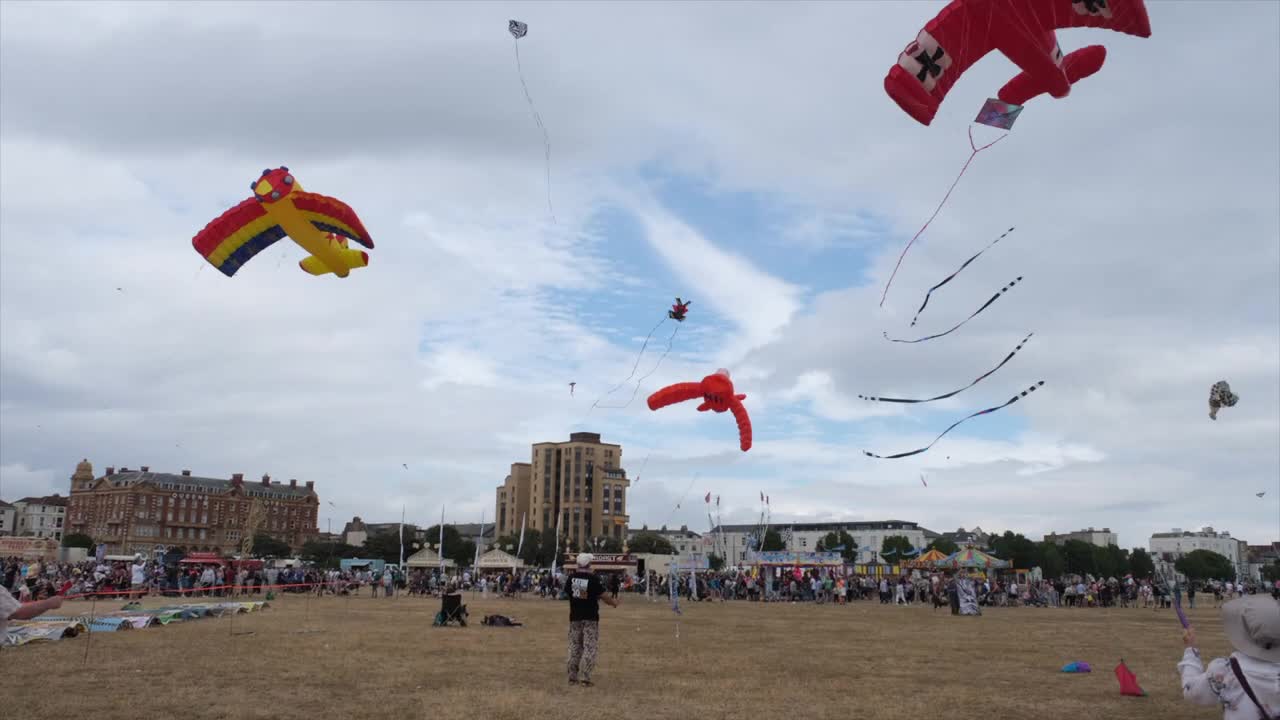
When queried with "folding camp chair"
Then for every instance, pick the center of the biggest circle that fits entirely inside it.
(451, 610)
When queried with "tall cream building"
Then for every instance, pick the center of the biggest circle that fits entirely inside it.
(580, 482)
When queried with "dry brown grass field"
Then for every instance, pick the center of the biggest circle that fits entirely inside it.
(365, 658)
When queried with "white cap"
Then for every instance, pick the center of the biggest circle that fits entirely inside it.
(584, 559)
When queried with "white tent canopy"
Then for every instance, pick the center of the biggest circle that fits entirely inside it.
(495, 559)
(427, 558)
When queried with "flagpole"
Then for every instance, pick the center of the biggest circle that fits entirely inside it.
(520, 546)
(442, 543)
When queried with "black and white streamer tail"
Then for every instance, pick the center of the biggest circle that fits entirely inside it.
(948, 278)
(985, 305)
(519, 30)
(953, 393)
(1011, 401)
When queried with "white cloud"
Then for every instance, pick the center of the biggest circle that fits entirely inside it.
(1148, 250)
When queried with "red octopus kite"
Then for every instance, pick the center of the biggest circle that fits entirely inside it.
(717, 395)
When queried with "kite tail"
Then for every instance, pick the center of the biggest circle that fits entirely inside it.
(917, 451)
(634, 367)
(985, 305)
(537, 118)
(950, 277)
(953, 393)
(938, 209)
(644, 377)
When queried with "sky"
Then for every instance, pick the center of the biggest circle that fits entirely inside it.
(745, 157)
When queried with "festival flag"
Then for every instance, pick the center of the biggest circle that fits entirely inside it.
(708, 498)
(521, 545)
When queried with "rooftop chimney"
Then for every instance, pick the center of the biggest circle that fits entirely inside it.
(238, 477)
(293, 483)
(266, 479)
(111, 470)
(124, 469)
(311, 484)
(186, 473)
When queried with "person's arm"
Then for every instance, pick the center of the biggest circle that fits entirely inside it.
(610, 599)
(34, 609)
(1200, 686)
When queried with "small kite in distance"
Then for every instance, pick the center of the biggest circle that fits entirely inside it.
(679, 310)
(517, 29)
(571, 386)
(1264, 492)
(404, 465)
(1220, 396)
(922, 482)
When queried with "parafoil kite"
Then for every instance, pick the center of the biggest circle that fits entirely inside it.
(1025, 31)
(716, 391)
(279, 207)
(1220, 396)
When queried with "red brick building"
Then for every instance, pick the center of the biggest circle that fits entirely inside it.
(136, 510)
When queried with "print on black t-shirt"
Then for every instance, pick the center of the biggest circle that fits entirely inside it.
(585, 590)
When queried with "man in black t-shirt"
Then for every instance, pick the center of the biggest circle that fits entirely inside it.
(585, 592)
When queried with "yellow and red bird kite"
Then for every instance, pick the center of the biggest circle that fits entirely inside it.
(320, 224)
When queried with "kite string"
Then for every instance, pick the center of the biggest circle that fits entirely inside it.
(537, 118)
(938, 209)
(636, 366)
(644, 377)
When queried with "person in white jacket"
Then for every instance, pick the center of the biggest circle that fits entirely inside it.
(1246, 684)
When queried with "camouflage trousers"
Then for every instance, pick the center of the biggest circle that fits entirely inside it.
(583, 638)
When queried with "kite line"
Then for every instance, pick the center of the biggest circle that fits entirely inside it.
(909, 453)
(644, 377)
(937, 210)
(952, 275)
(953, 393)
(519, 30)
(636, 366)
(985, 305)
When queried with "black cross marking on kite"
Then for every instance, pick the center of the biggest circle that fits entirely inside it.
(929, 65)
(1093, 7)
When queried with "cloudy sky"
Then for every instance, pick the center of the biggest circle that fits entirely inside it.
(743, 156)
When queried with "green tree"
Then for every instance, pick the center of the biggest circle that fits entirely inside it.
(715, 561)
(944, 546)
(1052, 564)
(1205, 565)
(77, 540)
(386, 546)
(1140, 564)
(606, 544)
(1110, 561)
(897, 543)
(651, 543)
(1017, 549)
(1271, 573)
(834, 540)
(266, 546)
(328, 554)
(773, 541)
(1079, 557)
(456, 548)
